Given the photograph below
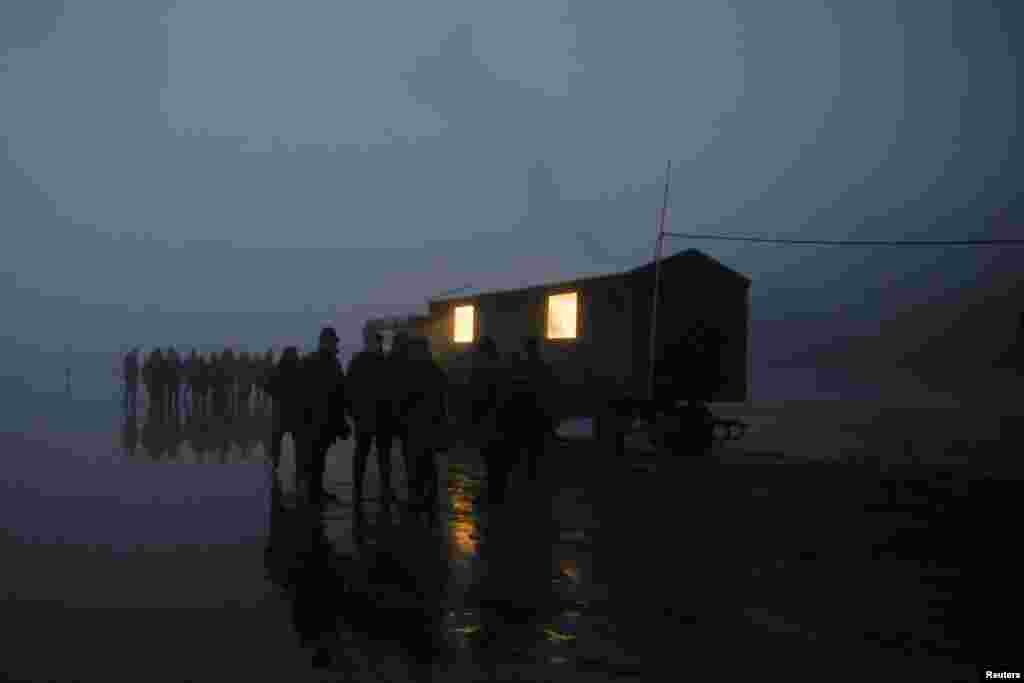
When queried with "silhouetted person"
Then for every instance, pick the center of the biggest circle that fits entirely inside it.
(174, 383)
(369, 384)
(221, 385)
(398, 361)
(207, 384)
(154, 392)
(242, 385)
(487, 379)
(704, 350)
(228, 377)
(131, 379)
(285, 384)
(532, 409)
(326, 409)
(198, 388)
(266, 368)
(162, 383)
(192, 376)
(163, 375)
(690, 370)
(255, 377)
(422, 413)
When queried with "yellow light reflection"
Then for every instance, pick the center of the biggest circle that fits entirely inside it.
(463, 525)
(463, 534)
(557, 636)
(562, 311)
(464, 324)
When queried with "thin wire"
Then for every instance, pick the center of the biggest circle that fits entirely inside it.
(852, 243)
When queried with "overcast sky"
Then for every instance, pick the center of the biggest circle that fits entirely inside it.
(345, 159)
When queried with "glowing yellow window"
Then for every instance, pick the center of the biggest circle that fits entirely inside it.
(463, 324)
(562, 312)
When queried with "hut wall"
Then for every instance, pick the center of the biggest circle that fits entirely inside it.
(611, 350)
(690, 291)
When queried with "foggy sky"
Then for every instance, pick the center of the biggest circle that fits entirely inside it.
(166, 161)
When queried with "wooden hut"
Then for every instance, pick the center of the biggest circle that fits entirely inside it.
(595, 331)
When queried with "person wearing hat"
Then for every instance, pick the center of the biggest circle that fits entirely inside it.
(326, 410)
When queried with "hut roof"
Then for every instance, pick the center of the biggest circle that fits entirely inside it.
(473, 292)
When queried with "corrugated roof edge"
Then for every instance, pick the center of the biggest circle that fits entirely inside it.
(588, 278)
(545, 285)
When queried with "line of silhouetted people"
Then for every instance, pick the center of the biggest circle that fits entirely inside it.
(401, 397)
(224, 384)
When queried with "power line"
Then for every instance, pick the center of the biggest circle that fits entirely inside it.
(854, 243)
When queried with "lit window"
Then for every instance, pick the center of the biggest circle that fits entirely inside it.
(562, 311)
(463, 324)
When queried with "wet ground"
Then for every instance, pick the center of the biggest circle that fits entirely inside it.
(147, 553)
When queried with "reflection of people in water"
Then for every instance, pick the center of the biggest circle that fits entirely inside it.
(314, 610)
(514, 589)
(130, 434)
(298, 560)
(392, 591)
(174, 438)
(285, 385)
(152, 438)
(398, 594)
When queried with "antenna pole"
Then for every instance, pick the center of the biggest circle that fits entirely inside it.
(657, 282)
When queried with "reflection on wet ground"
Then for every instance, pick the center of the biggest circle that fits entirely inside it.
(509, 585)
(600, 570)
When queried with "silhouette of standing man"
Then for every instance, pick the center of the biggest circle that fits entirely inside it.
(487, 387)
(174, 383)
(398, 366)
(131, 379)
(192, 378)
(532, 410)
(155, 384)
(372, 414)
(422, 412)
(326, 410)
(285, 386)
